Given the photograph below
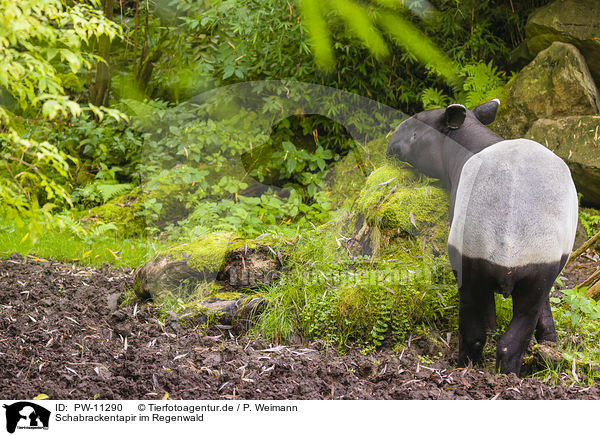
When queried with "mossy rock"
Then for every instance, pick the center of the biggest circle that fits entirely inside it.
(398, 198)
(574, 21)
(398, 213)
(207, 254)
(575, 140)
(557, 83)
(223, 259)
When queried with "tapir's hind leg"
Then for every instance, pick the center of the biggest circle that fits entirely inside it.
(529, 297)
(473, 320)
(545, 330)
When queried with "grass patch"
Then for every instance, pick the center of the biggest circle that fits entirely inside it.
(577, 320)
(328, 294)
(65, 245)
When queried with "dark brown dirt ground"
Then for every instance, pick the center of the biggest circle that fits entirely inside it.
(62, 334)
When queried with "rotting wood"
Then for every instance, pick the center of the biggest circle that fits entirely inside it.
(591, 279)
(575, 254)
(594, 291)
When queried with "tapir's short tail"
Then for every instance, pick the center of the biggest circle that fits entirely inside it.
(506, 284)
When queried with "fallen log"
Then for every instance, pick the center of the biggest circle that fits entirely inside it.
(591, 279)
(575, 254)
(594, 291)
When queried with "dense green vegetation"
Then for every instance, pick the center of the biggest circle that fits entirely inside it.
(68, 149)
(114, 143)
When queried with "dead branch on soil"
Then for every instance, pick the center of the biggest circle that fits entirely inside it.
(594, 291)
(591, 279)
(574, 255)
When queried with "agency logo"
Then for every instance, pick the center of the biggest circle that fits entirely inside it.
(26, 415)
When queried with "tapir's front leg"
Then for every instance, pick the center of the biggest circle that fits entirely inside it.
(473, 320)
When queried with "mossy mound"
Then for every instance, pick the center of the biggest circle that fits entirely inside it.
(124, 212)
(398, 198)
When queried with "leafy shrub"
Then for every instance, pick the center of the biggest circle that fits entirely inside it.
(590, 219)
(578, 306)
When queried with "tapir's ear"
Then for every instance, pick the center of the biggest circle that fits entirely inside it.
(486, 112)
(455, 115)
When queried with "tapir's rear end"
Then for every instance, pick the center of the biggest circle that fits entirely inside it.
(514, 211)
(513, 229)
(516, 206)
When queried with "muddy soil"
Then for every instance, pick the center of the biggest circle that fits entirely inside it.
(62, 333)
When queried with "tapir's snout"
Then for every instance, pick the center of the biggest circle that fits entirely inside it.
(394, 146)
(388, 153)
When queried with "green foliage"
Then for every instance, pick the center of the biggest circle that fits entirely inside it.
(110, 145)
(590, 219)
(304, 170)
(362, 22)
(43, 46)
(127, 217)
(37, 176)
(480, 83)
(578, 306)
(100, 193)
(434, 98)
(195, 177)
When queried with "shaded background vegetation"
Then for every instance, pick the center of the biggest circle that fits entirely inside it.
(110, 151)
(90, 85)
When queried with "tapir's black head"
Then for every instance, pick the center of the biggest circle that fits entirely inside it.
(419, 139)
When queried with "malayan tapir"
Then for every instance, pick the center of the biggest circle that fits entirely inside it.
(513, 212)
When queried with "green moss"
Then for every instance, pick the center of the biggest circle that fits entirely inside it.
(228, 295)
(397, 198)
(208, 253)
(391, 174)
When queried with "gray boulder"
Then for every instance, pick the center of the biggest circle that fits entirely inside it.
(574, 21)
(576, 139)
(556, 83)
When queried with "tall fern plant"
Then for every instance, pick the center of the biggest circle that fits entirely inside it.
(480, 83)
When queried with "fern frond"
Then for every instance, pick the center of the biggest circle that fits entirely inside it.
(433, 98)
(108, 192)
